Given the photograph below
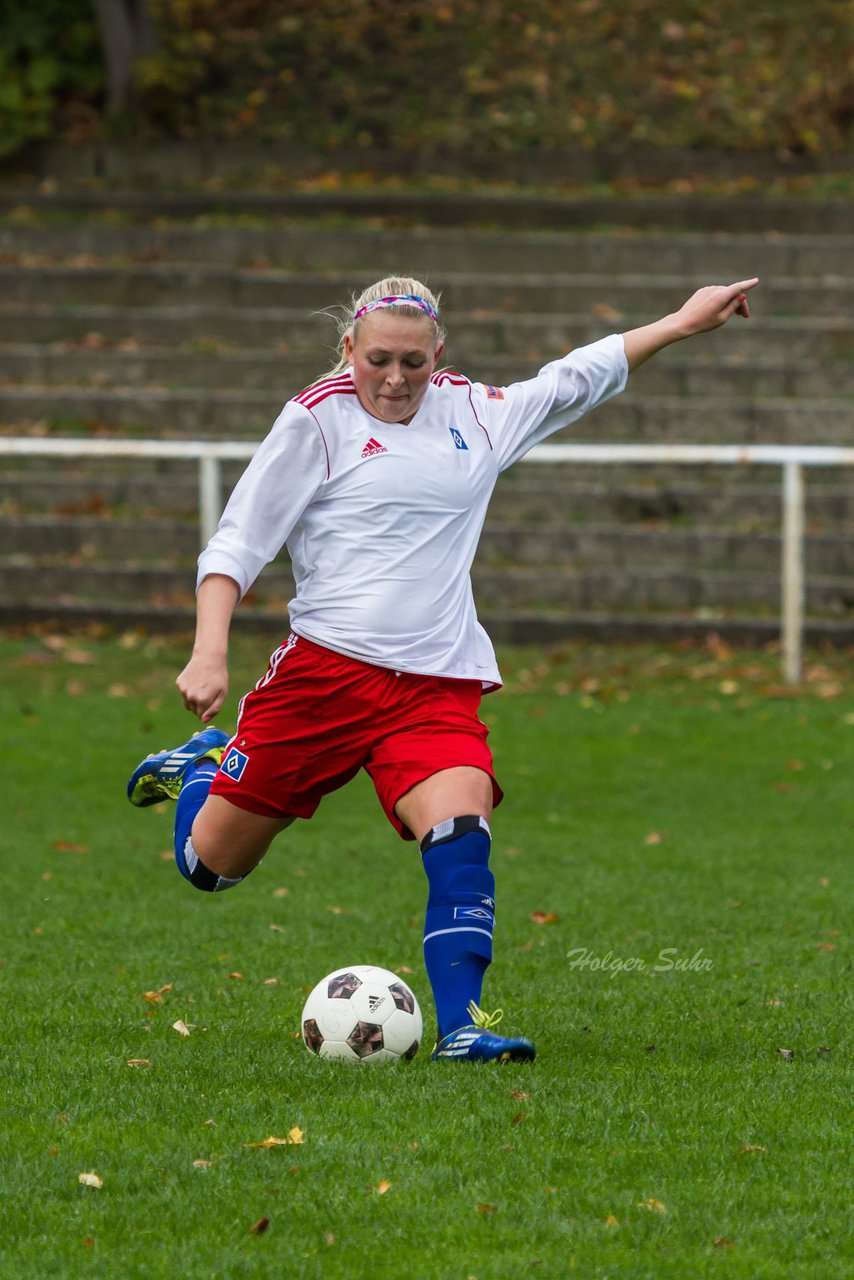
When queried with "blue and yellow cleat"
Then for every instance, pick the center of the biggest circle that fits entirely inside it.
(477, 1043)
(161, 776)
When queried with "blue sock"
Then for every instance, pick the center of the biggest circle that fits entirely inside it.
(460, 916)
(191, 797)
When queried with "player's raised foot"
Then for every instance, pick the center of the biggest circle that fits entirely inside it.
(477, 1042)
(161, 776)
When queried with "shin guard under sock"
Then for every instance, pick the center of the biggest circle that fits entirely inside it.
(460, 916)
(191, 797)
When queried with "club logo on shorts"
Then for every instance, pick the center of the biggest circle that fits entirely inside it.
(233, 764)
(457, 438)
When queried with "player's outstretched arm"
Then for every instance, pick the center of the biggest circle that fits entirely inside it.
(707, 309)
(203, 684)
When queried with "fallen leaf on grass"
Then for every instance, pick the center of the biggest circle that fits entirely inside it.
(518, 1118)
(139, 1062)
(258, 1228)
(723, 1242)
(181, 1027)
(786, 1053)
(752, 1146)
(277, 928)
(294, 1138)
(202, 1164)
(382, 1187)
(281, 892)
(825, 946)
(80, 657)
(655, 837)
(486, 1208)
(90, 1180)
(611, 1221)
(69, 846)
(156, 997)
(653, 1205)
(544, 917)
(237, 977)
(519, 1095)
(271, 982)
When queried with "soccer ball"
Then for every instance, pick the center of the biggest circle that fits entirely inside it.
(362, 1014)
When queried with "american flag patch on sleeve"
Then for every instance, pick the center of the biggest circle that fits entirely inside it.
(494, 393)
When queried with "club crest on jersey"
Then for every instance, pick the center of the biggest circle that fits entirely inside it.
(372, 448)
(494, 393)
(459, 442)
(233, 764)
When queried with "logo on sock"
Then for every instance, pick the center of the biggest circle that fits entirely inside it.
(472, 913)
(233, 764)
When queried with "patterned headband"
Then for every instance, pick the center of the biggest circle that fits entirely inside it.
(400, 300)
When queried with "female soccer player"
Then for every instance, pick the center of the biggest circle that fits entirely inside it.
(377, 478)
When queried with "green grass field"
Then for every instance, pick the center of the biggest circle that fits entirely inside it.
(687, 1115)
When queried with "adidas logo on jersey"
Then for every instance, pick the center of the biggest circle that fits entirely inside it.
(372, 448)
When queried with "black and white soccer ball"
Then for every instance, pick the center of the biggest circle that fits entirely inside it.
(362, 1014)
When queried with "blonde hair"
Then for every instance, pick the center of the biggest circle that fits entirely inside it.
(389, 287)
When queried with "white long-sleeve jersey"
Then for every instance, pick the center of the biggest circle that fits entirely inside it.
(382, 520)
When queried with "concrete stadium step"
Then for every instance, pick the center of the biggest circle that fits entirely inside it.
(163, 284)
(597, 546)
(575, 591)
(293, 331)
(64, 364)
(249, 414)
(509, 212)
(422, 251)
(520, 627)
(742, 496)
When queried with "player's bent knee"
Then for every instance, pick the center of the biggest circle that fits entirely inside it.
(204, 877)
(227, 843)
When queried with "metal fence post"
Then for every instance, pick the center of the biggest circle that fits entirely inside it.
(210, 496)
(793, 571)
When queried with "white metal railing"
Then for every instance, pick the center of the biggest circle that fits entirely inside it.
(791, 459)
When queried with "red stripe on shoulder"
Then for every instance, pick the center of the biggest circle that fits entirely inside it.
(330, 380)
(319, 391)
(451, 376)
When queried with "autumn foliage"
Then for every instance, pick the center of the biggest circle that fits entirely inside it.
(449, 75)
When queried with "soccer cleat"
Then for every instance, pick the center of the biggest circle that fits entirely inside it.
(477, 1043)
(161, 776)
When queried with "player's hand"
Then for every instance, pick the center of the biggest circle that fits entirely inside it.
(712, 306)
(203, 684)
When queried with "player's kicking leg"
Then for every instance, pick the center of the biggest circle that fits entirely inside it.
(216, 843)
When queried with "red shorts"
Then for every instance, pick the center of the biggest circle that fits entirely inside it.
(317, 717)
